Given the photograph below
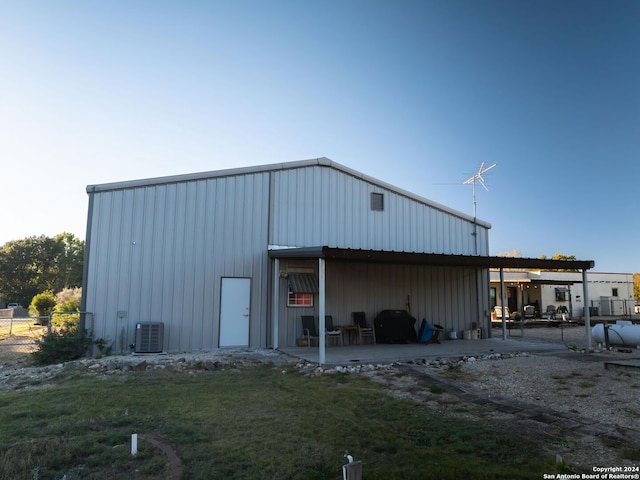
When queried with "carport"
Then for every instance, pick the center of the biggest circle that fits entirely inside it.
(323, 254)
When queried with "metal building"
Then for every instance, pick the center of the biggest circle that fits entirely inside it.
(236, 257)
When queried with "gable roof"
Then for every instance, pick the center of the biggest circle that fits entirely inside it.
(322, 162)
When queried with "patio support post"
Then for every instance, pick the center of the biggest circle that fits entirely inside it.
(275, 305)
(503, 299)
(321, 310)
(587, 313)
(488, 300)
(479, 305)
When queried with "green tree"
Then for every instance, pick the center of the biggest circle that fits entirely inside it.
(560, 256)
(37, 264)
(24, 267)
(636, 286)
(69, 261)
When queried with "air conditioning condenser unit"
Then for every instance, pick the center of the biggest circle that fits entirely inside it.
(149, 337)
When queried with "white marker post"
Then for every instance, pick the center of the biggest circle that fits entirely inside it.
(134, 444)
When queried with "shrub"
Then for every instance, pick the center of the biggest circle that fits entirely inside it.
(65, 320)
(61, 345)
(104, 350)
(68, 300)
(42, 304)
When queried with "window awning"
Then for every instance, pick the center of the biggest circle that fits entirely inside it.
(303, 282)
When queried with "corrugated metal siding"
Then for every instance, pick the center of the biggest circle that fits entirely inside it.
(321, 206)
(158, 253)
(452, 297)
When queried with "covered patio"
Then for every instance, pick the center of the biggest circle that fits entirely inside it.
(363, 353)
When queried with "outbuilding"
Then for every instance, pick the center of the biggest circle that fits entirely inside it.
(610, 294)
(234, 258)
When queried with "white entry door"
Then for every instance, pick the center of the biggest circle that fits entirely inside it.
(235, 300)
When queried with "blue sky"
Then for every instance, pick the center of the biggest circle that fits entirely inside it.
(415, 93)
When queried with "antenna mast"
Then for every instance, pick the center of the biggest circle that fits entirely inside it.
(477, 178)
(472, 181)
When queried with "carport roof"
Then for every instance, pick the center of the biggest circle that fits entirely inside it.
(436, 259)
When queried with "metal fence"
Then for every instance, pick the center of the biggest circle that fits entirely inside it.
(568, 333)
(19, 335)
(571, 331)
(612, 307)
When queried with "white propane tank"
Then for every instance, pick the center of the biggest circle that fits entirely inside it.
(623, 332)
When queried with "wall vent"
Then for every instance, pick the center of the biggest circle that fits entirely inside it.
(149, 336)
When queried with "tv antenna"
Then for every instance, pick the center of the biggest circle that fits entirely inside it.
(478, 178)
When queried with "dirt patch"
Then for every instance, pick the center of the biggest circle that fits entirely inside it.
(559, 392)
(175, 465)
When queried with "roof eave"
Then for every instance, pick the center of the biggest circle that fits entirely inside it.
(434, 259)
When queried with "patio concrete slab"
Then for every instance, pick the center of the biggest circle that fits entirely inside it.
(389, 353)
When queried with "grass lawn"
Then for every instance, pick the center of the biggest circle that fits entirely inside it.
(259, 422)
